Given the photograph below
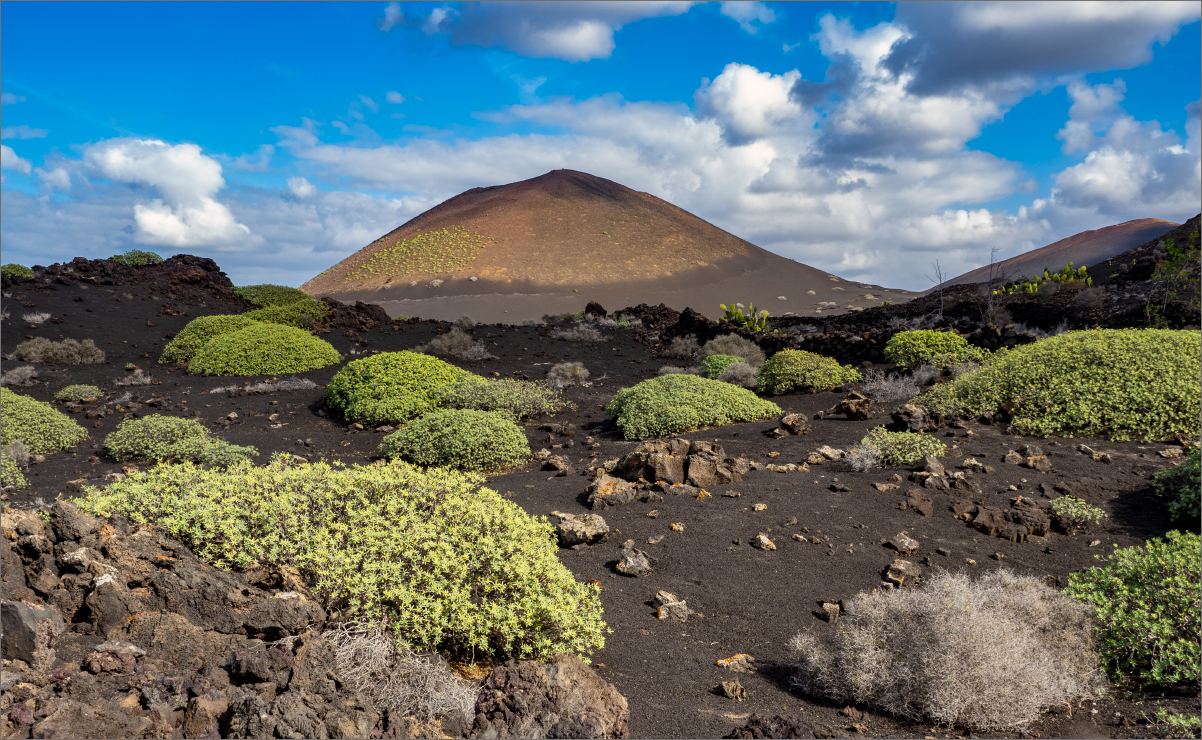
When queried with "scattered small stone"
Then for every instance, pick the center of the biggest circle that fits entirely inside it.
(655, 540)
(1039, 463)
(654, 513)
(900, 571)
(830, 453)
(634, 562)
(815, 458)
(933, 466)
(670, 607)
(740, 663)
(999, 556)
(580, 530)
(1169, 452)
(1085, 450)
(677, 526)
(904, 544)
(839, 488)
(853, 714)
(731, 494)
(1012, 457)
(831, 609)
(1095, 543)
(800, 538)
(762, 542)
(731, 690)
(970, 561)
(759, 507)
(232, 416)
(885, 487)
(1103, 457)
(943, 551)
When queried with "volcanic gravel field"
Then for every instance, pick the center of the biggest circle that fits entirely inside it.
(747, 600)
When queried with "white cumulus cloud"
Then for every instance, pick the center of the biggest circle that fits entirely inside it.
(394, 97)
(9, 160)
(55, 179)
(747, 13)
(22, 132)
(11, 99)
(301, 188)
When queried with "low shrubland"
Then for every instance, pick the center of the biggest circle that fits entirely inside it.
(464, 323)
(1147, 602)
(39, 425)
(886, 388)
(299, 314)
(10, 471)
(986, 654)
(270, 295)
(393, 387)
(679, 403)
(563, 318)
(740, 374)
(1181, 487)
(24, 375)
(518, 398)
(287, 385)
(578, 333)
(1073, 514)
(459, 438)
(137, 377)
(447, 563)
(715, 365)
(793, 369)
(455, 343)
(567, 374)
(913, 348)
(66, 352)
(684, 348)
(902, 448)
(263, 349)
(1121, 384)
(197, 334)
(137, 258)
(78, 393)
(735, 346)
(159, 438)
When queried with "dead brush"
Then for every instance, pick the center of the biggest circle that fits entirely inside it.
(395, 679)
(985, 654)
(139, 377)
(884, 388)
(66, 352)
(24, 375)
(735, 346)
(465, 322)
(684, 347)
(578, 333)
(36, 317)
(18, 451)
(862, 458)
(567, 373)
(455, 343)
(740, 374)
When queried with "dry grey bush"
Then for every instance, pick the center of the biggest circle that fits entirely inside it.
(465, 322)
(578, 333)
(924, 373)
(862, 458)
(684, 347)
(18, 451)
(475, 352)
(36, 317)
(1091, 297)
(964, 368)
(735, 346)
(567, 373)
(66, 352)
(986, 654)
(452, 343)
(123, 399)
(139, 377)
(394, 678)
(25, 375)
(435, 283)
(4, 313)
(1038, 333)
(799, 329)
(288, 384)
(883, 388)
(673, 370)
(740, 374)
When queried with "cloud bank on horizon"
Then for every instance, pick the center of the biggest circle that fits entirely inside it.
(867, 141)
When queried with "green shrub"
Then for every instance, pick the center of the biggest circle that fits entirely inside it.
(16, 273)
(10, 472)
(78, 393)
(394, 387)
(159, 438)
(1072, 513)
(137, 258)
(459, 438)
(300, 314)
(1147, 601)
(1120, 384)
(679, 403)
(1182, 486)
(270, 295)
(793, 369)
(451, 565)
(902, 448)
(519, 398)
(197, 334)
(42, 427)
(264, 349)
(715, 364)
(913, 348)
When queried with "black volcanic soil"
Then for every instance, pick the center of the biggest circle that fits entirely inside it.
(749, 600)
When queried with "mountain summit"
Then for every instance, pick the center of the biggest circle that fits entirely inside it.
(552, 243)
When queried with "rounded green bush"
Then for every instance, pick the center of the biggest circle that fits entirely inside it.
(1121, 384)
(42, 427)
(159, 438)
(1182, 487)
(15, 272)
(679, 403)
(460, 438)
(197, 334)
(715, 364)
(1147, 602)
(902, 448)
(520, 399)
(264, 349)
(449, 564)
(137, 258)
(10, 472)
(913, 348)
(78, 393)
(794, 369)
(394, 387)
(270, 295)
(301, 314)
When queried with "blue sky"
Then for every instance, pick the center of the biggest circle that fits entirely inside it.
(866, 139)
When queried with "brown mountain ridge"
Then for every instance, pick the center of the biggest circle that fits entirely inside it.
(555, 242)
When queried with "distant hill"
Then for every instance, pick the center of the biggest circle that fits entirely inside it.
(552, 243)
(1087, 248)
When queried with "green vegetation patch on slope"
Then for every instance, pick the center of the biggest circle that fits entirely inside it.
(795, 369)
(901, 448)
(1181, 487)
(913, 348)
(137, 258)
(42, 427)
(197, 334)
(394, 387)
(434, 252)
(518, 398)
(679, 403)
(10, 472)
(301, 314)
(16, 273)
(263, 349)
(160, 438)
(449, 564)
(78, 393)
(270, 295)
(1121, 384)
(460, 438)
